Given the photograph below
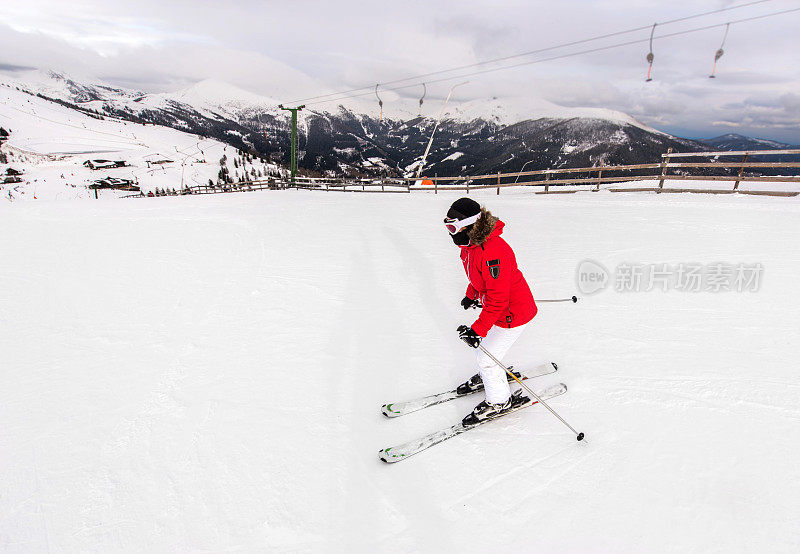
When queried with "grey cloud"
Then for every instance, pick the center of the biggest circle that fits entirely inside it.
(11, 68)
(790, 101)
(307, 48)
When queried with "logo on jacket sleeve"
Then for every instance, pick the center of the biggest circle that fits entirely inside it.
(494, 268)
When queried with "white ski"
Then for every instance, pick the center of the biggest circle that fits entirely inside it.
(401, 452)
(397, 409)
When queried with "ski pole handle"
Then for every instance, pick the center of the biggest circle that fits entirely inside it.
(578, 435)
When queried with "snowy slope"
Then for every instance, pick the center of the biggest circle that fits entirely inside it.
(205, 374)
(52, 84)
(50, 142)
(209, 97)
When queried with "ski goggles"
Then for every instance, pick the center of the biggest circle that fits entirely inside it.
(454, 225)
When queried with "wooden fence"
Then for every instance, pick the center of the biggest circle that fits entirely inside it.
(567, 180)
(558, 180)
(739, 177)
(307, 183)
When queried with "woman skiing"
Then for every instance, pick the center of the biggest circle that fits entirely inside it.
(498, 287)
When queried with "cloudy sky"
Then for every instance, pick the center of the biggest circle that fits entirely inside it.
(294, 50)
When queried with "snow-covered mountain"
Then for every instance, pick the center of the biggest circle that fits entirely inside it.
(734, 141)
(479, 136)
(54, 151)
(220, 97)
(510, 110)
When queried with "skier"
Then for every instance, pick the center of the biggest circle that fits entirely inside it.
(498, 287)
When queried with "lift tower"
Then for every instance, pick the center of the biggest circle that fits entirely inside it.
(294, 136)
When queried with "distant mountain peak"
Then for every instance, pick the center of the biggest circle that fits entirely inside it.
(217, 90)
(213, 93)
(735, 141)
(515, 109)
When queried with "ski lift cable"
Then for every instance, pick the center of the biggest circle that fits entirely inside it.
(495, 60)
(567, 55)
(537, 51)
(561, 56)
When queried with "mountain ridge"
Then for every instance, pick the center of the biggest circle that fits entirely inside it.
(735, 141)
(480, 136)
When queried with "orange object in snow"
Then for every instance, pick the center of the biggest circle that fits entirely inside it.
(426, 183)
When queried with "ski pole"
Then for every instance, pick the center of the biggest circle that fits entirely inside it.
(572, 299)
(579, 436)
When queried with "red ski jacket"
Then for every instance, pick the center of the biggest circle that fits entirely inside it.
(495, 278)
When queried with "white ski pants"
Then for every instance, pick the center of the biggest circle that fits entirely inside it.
(498, 340)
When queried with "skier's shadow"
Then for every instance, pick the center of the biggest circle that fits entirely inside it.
(424, 274)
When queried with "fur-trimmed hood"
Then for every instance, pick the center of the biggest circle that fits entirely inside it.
(482, 228)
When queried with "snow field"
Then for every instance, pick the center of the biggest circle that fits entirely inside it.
(206, 373)
(50, 142)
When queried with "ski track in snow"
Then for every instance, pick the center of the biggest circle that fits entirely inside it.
(206, 374)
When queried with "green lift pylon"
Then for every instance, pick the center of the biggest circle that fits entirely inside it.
(294, 136)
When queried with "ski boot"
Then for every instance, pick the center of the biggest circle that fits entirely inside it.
(475, 383)
(484, 410)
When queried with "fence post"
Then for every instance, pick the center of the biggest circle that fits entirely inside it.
(547, 182)
(382, 187)
(741, 171)
(468, 186)
(435, 183)
(664, 167)
(599, 176)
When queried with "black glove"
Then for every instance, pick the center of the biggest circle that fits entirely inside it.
(468, 303)
(468, 335)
